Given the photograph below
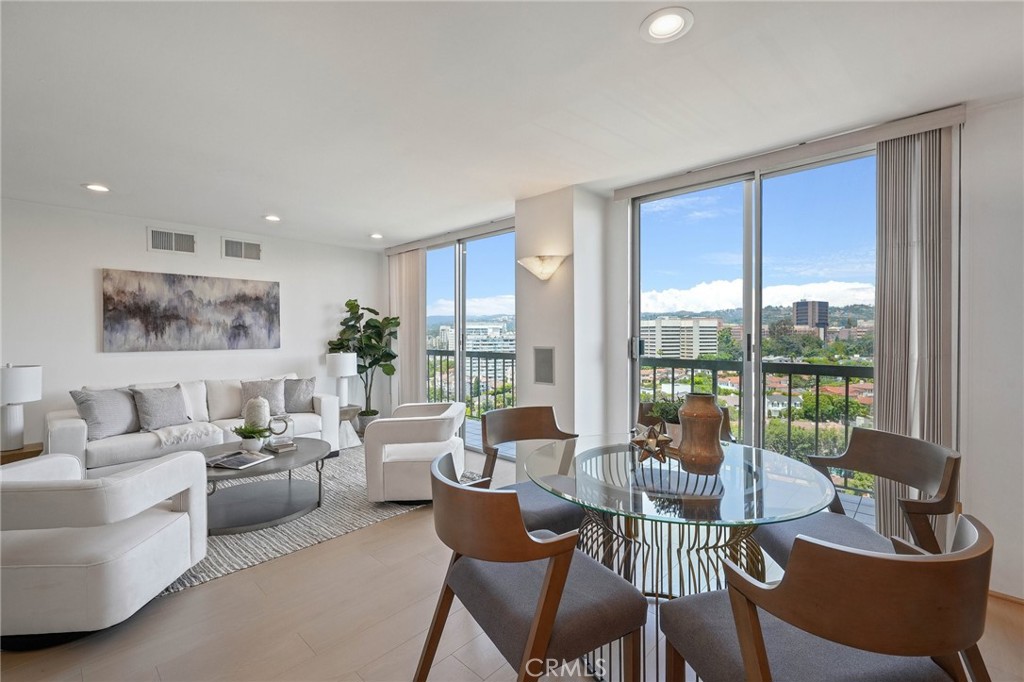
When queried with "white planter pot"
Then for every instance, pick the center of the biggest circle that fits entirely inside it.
(251, 444)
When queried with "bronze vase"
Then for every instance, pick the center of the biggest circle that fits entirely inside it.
(700, 448)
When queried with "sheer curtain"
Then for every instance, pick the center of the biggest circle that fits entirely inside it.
(407, 277)
(914, 391)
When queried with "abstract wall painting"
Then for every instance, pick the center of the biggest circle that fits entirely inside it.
(151, 311)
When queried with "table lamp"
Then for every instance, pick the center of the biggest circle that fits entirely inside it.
(342, 366)
(19, 384)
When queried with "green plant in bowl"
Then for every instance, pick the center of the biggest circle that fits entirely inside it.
(667, 410)
(246, 431)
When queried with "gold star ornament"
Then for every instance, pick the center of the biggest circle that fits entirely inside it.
(651, 442)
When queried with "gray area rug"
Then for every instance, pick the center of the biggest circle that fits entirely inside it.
(344, 509)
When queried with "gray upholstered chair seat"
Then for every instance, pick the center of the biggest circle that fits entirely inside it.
(597, 606)
(776, 539)
(544, 510)
(702, 628)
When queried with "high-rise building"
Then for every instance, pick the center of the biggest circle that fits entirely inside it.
(480, 336)
(675, 338)
(810, 314)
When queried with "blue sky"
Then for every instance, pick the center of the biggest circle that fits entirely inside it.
(490, 277)
(818, 243)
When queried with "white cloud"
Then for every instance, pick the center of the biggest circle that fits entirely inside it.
(725, 294)
(488, 305)
(442, 306)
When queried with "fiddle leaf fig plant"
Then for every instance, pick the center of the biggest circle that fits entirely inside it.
(369, 335)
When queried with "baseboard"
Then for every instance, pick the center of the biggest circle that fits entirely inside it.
(1006, 597)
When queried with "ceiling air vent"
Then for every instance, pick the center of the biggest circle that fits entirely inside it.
(165, 240)
(235, 248)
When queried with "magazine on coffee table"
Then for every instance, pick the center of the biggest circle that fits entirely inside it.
(237, 459)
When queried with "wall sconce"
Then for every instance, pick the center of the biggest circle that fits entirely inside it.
(542, 267)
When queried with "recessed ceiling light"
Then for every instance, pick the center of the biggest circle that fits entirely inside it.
(666, 25)
(94, 187)
(375, 235)
(272, 218)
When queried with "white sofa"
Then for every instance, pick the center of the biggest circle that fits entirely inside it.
(217, 402)
(399, 449)
(79, 555)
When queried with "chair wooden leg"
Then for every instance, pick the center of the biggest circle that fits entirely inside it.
(535, 655)
(675, 666)
(976, 669)
(444, 605)
(632, 651)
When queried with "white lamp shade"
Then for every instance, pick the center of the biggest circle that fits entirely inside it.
(20, 384)
(541, 266)
(342, 365)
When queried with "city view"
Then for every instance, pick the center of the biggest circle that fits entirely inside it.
(817, 263)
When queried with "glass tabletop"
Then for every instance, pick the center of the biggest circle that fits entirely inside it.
(754, 486)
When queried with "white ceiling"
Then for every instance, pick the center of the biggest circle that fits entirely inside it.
(412, 119)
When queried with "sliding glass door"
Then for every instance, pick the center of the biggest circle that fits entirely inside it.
(691, 312)
(471, 326)
(817, 306)
(761, 290)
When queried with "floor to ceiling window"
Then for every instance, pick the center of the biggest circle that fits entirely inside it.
(691, 300)
(761, 290)
(818, 308)
(471, 326)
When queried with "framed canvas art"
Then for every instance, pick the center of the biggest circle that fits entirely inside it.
(151, 311)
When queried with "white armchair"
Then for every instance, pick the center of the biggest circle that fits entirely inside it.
(79, 555)
(399, 449)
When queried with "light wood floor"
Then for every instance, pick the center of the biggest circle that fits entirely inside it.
(354, 608)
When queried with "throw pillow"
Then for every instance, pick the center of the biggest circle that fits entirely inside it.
(224, 398)
(107, 413)
(195, 397)
(298, 395)
(271, 389)
(160, 407)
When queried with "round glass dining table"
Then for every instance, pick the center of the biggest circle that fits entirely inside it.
(666, 528)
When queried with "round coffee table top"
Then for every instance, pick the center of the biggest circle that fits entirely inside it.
(309, 450)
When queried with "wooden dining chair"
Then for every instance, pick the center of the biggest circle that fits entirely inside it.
(842, 614)
(931, 469)
(540, 600)
(541, 509)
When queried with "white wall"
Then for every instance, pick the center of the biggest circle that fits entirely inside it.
(992, 329)
(544, 310)
(617, 271)
(51, 313)
(590, 343)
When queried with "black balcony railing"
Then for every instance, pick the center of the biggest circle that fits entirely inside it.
(794, 426)
(490, 379)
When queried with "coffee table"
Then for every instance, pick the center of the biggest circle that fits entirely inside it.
(261, 504)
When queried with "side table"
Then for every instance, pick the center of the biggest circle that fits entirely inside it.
(29, 450)
(347, 437)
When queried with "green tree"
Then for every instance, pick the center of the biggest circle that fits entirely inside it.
(830, 408)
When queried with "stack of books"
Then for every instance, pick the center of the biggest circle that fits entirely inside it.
(278, 448)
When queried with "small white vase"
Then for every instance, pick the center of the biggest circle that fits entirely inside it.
(252, 444)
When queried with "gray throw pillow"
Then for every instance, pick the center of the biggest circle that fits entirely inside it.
(298, 395)
(107, 413)
(160, 407)
(271, 389)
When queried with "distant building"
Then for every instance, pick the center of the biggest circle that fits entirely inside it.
(480, 336)
(736, 332)
(810, 314)
(675, 338)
